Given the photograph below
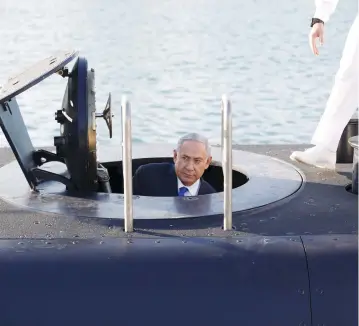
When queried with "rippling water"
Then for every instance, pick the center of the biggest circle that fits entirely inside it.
(174, 60)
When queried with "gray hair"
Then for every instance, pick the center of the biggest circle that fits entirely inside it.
(194, 137)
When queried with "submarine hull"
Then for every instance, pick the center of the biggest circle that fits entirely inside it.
(176, 281)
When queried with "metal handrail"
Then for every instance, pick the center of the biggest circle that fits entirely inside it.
(127, 163)
(226, 139)
(227, 161)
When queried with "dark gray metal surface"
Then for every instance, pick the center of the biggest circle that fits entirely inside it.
(77, 144)
(345, 151)
(15, 131)
(270, 181)
(35, 74)
(170, 281)
(333, 272)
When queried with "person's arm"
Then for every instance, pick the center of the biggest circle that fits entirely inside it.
(324, 9)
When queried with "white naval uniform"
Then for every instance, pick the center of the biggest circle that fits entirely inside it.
(344, 97)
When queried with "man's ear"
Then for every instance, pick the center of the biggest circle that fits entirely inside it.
(174, 155)
(209, 161)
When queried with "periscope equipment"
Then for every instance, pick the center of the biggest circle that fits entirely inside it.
(76, 145)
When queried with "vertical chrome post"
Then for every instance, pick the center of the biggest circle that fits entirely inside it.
(227, 161)
(127, 163)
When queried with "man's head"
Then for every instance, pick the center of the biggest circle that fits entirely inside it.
(192, 157)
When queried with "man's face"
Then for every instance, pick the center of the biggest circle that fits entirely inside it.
(191, 161)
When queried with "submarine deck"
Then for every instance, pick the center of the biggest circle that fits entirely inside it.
(322, 207)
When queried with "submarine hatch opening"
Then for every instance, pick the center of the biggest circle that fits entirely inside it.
(213, 175)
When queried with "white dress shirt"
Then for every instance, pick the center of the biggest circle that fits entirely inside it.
(324, 9)
(192, 190)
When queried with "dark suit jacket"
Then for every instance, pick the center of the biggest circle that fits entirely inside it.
(160, 180)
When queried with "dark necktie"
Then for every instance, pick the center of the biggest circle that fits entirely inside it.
(182, 191)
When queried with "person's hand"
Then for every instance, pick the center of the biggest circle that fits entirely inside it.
(317, 31)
